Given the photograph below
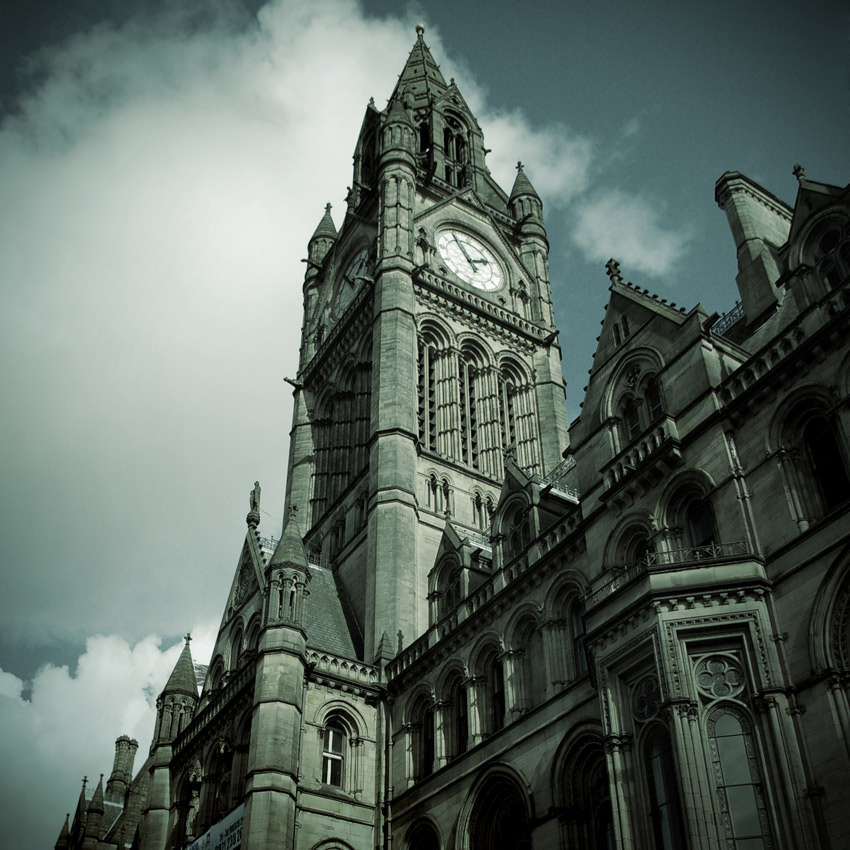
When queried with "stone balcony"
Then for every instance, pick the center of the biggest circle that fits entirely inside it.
(644, 462)
(679, 571)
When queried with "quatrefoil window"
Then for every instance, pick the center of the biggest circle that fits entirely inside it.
(719, 676)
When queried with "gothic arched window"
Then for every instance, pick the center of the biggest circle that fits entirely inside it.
(579, 637)
(588, 797)
(738, 779)
(333, 754)
(460, 717)
(700, 523)
(826, 461)
(496, 693)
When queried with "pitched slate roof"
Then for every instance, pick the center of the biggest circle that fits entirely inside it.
(328, 620)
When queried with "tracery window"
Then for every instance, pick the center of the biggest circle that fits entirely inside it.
(459, 717)
(455, 151)
(579, 637)
(826, 461)
(333, 754)
(588, 798)
(738, 779)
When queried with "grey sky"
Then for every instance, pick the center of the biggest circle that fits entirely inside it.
(161, 175)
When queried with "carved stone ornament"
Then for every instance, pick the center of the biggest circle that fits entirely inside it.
(646, 699)
(243, 584)
(719, 677)
(632, 376)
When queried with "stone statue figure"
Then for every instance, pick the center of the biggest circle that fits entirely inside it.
(255, 497)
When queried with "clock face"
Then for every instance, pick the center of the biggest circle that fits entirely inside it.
(469, 259)
(351, 281)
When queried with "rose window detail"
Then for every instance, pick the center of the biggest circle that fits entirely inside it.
(719, 677)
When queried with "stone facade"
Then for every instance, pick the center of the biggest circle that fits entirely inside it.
(483, 629)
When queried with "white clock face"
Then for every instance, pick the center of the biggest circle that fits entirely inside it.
(469, 259)
(351, 281)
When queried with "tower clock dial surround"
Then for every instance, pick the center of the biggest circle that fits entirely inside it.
(470, 259)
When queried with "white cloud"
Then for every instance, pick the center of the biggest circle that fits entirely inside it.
(66, 728)
(629, 228)
(557, 161)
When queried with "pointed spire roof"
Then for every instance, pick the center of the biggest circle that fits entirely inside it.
(326, 228)
(522, 185)
(64, 833)
(182, 679)
(96, 804)
(421, 75)
(290, 548)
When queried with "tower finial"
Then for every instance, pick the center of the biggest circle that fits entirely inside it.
(519, 166)
(187, 637)
(798, 171)
(420, 30)
(612, 269)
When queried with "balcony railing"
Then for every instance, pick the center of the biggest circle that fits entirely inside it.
(654, 560)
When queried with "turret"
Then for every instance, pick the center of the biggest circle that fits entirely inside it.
(175, 708)
(322, 240)
(760, 224)
(178, 700)
(525, 205)
(64, 833)
(122, 769)
(94, 818)
(288, 578)
(277, 715)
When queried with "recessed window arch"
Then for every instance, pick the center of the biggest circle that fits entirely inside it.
(423, 836)
(813, 455)
(470, 384)
(334, 748)
(495, 679)
(527, 644)
(455, 713)
(734, 756)
(423, 729)
(236, 648)
(827, 250)
(587, 794)
(500, 816)
(516, 529)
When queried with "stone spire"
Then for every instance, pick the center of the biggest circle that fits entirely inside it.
(64, 833)
(182, 679)
(326, 229)
(289, 577)
(179, 699)
(525, 205)
(522, 185)
(94, 818)
(421, 75)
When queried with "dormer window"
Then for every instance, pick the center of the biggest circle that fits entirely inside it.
(830, 253)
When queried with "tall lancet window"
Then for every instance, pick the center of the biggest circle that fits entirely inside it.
(468, 386)
(507, 390)
(427, 396)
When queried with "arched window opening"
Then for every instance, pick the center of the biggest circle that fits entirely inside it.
(638, 548)
(450, 591)
(665, 808)
(700, 523)
(588, 797)
(507, 391)
(468, 413)
(333, 754)
(424, 137)
(427, 397)
(617, 338)
(236, 649)
(654, 402)
(625, 327)
(424, 837)
(742, 800)
(579, 637)
(499, 819)
(631, 417)
(518, 532)
(427, 743)
(460, 716)
(826, 461)
(496, 685)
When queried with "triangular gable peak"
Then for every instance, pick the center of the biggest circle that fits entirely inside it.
(453, 100)
(814, 201)
(629, 309)
(248, 578)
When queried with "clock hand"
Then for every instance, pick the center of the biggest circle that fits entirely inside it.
(465, 254)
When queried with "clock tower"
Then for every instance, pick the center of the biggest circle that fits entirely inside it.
(429, 355)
